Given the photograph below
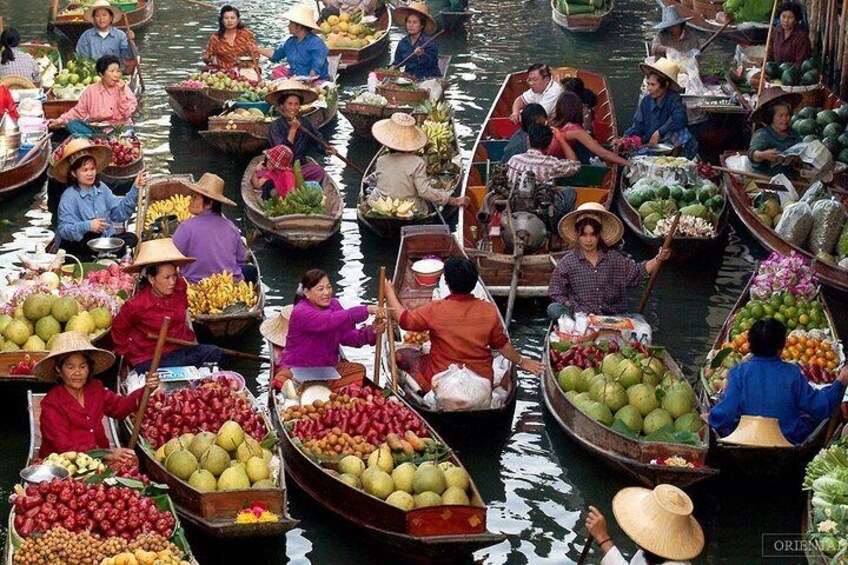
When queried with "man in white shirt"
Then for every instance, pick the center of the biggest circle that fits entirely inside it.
(544, 90)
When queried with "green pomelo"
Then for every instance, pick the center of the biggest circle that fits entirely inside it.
(656, 420)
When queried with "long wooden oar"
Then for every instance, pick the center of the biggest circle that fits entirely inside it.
(381, 301)
(154, 367)
(768, 44)
(712, 38)
(326, 145)
(586, 547)
(390, 329)
(426, 44)
(230, 352)
(134, 50)
(653, 279)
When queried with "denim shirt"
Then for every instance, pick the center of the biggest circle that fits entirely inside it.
(425, 66)
(308, 54)
(78, 207)
(93, 46)
(665, 116)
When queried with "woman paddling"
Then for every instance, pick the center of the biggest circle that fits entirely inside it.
(420, 26)
(72, 411)
(768, 143)
(673, 34)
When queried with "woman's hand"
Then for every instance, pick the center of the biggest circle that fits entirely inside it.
(770, 155)
(55, 123)
(597, 525)
(531, 366)
(141, 180)
(843, 375)
(379, 326)
(663, 254)
(655, 138)
(120, 455)
(376, 311)
(418, 52)
(331, 150)
(152, 381)
(459, 201)
(97, 225)
(558, 135)
(515, 117)
(294, 124)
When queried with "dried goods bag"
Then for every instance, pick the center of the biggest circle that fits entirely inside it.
(795, 223)
(828, 219)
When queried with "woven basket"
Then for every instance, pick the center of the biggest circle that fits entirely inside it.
(400, 97)
(706, 9)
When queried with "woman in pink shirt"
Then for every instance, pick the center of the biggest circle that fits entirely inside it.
(109, 100)
(569, 121)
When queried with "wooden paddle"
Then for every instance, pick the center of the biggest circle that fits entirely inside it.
(391, 336)
(230, 352)
(326, 145)
(381, 301)
(765, 57)
(587, 545)
(154, 367)
(666, 245)
(134, 50)
(426, 44)
(713, 37)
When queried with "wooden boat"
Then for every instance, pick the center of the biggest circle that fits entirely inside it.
(356, 57)
(196, 105)
(580, 22)
(297, 230)
(9, 359)
(214, 512)
(416, 243)
(73, 25)
(55, 107)
(27, 169)
(702, 14)
(434, 533)
(619, 451)
(593, 184)
(363, 116)
(758, 463)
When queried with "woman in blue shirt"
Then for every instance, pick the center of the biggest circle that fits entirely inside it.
(104, 38)
(419, 28)
(766, 386)
(305, 52)
(661, 115)
(88, 209)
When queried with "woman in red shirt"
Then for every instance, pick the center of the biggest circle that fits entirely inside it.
(72, 412)
(162, 292)
(7, 103)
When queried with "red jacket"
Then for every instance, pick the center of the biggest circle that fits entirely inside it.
(7, 104)
(142, 315)
(66, 425)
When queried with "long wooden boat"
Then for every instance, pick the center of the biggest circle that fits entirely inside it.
(73, 25)
(55, 107)
(416, 243)
(580, 22)
(27, 169)
(356, 57)
(215, 512)
(745, 34)
(300, 231)
(619, 451)
(434, 533)
(196, 105)
(593, 184)
(757, 463)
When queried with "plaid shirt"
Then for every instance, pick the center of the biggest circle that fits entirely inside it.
(543, 166)
(598, 289)
(23, 66)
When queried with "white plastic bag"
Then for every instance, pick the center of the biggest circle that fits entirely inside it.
(498, 397)
(459, 388)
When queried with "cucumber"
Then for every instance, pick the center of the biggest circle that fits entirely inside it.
(576, 10)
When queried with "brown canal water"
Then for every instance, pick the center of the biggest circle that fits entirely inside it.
(537, 483)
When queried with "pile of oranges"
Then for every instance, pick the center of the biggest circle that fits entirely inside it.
(809, 350)
(739, 344)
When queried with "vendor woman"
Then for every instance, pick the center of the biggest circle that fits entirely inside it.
(162, 293)
(317, 326)
(231, 42)
(420, 27)
(104, 38)
(209, 236)
(288, 96)
(72, 411)
(789, 43)
(593, 277)
(87, 208)
(305, 52)
(464, 330)
(673, 34)
(774, 111)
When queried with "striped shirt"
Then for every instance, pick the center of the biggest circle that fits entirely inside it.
(24, 65)
(545, 167)
(595, 289)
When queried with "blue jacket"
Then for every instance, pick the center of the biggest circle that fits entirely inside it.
(309, 54)
(668, 116)
(424, 66)
(78, 207)
(767, 386)
(93, 46)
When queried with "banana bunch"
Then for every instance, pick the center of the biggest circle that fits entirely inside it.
(436, 111)
(214, 294)
(76, 463)
(440, 135)
(176, 205)
(398, 207)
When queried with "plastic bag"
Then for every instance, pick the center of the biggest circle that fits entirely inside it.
(844, 263)
(500, 366)
(795, 223)
(461, 389)
(816, 192)
(842, 244)
(828, 219)
(499, 396)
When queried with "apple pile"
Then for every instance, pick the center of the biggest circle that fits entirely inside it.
(99, 508)
(583, 356)
(125, 150)
(205, 408)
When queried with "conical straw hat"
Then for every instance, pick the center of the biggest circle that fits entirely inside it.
(659, 521)
(157, 251)
(612, 229)
(290, 86)
(402, 12)
(399, 133)
(757, 431)
(76, 149)
(211, 186)
(276, 329)
(772, 95)
(13, 82)
(117, 14)
(670, 17)
(302, 15)
(666, 68)
(72, 342)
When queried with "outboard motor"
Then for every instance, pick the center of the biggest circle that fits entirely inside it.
(529, 229)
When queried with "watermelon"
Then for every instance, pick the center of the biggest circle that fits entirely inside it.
(704, 195)
(807, 113)
(827, 117)
(843, 156)
(842, 112)
(832, 129)
(635, 199)
(663, 192)
(791, 77)
(676, 193)
(810, 78)
(843, 140)
(832, 145)
(716, 202)
(809, 65)
(787, 66)
(772, 69)
(806, 127)
(809, 138)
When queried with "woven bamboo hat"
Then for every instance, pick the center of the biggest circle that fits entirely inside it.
(757, 431)
(155, 252)
(211, 186)
(402, 12)
(14, 82)
(75, 150)
(290, 86)
(399, 132)
(276, 329)
(670, 17)
(771, 96)
(659, 521)
(664, 67)
(67, 343)
(612, 230)
(302, 15)
(117, 15)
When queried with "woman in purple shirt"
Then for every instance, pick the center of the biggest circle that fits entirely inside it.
(318, 326)
(209, 236)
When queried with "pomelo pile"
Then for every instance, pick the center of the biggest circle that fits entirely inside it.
(635, 389)
(347, 32)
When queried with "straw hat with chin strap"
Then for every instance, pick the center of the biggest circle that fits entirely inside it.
(666, 68)
(400, 133)
(157, 252)
(757, 431)
(117, 15)
(75, 150)
(212, 187)
(65, 344)
(276, 329)
(420, 8)
(302, 15)
(290, 86)
(771, 96)
(612, 229)
(659, 521)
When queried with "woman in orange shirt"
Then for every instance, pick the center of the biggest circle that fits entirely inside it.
(231, 41)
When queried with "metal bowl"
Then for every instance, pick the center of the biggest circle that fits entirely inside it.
(35, 474)
(106, 244)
